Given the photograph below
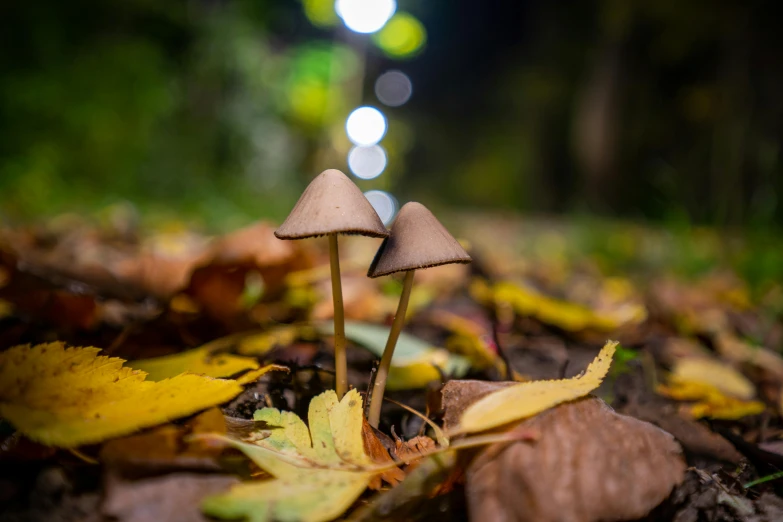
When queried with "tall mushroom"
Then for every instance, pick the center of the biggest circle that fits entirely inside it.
(330, 205)
(417, 240)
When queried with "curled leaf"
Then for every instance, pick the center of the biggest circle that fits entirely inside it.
(522, 400)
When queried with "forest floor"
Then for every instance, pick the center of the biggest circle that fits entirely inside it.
(698, 316)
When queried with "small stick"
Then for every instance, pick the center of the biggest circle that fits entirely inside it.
(383, 368)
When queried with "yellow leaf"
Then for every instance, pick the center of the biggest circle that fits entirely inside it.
(530, 398)
(318, 474)
(708, 400)
(568, 316)
(715, 373)
(253, 376)
(731, 409)
(71, 396)
(263, 342)
(199, 360)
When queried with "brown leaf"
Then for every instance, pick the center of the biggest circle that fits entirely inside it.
(174, 498)
(692, 435)
(590, 464)
(378, 453)
(163, 449)
(413, 449)
(218, 282)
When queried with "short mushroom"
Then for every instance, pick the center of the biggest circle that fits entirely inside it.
(417, 240)
(330, 205)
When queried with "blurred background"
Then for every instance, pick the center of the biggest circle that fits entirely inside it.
(221, 111)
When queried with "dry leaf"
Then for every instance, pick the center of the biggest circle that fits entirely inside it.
(414, 448)
(716, 374)
(694, 437)
(162, 449)
(738, 351)
(68, 397)
(589, 464)
(318, 472)
(529, 398)
(378, 453)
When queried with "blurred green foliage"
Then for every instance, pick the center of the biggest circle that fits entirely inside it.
(220, 111)
(178, 107)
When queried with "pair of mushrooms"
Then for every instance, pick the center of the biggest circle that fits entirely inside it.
(331, 205)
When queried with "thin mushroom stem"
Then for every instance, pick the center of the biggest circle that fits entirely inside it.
(340, 361)
(383, 368)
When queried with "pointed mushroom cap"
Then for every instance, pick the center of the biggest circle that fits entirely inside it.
(417, 240)
(331, 204)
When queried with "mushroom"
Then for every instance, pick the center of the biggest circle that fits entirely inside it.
(330, 205)
(417, 240)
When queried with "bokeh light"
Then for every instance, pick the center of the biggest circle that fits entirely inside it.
(393, 88)
(320, 12)
(384, 204)
(367, 162)
(402, 37)
(365, 16)
(365, 126)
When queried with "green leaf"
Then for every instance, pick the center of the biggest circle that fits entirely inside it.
(415, 362)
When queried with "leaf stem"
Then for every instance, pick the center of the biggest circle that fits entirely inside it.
(340, 361)
(383, 368)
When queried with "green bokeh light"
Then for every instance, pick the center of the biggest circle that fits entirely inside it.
(320, 12)
(402, 37)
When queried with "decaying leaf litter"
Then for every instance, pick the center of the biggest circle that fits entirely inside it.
(99, 422)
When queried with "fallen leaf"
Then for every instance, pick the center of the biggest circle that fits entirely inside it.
(253, 375)
(471, 339)
(414, 448)
(737, 351)
(569, 316)
(694, 437)
(71, 396)
(201, 361)
(318, 472)
(529, 398)
(153, 452)
(589, 464)
(164, 449)
(714, 373)
(264, 342)
(378, 453)
(415, 363)
(708, 400)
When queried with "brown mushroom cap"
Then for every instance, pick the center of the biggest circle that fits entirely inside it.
(417, 240)
(331, 204)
